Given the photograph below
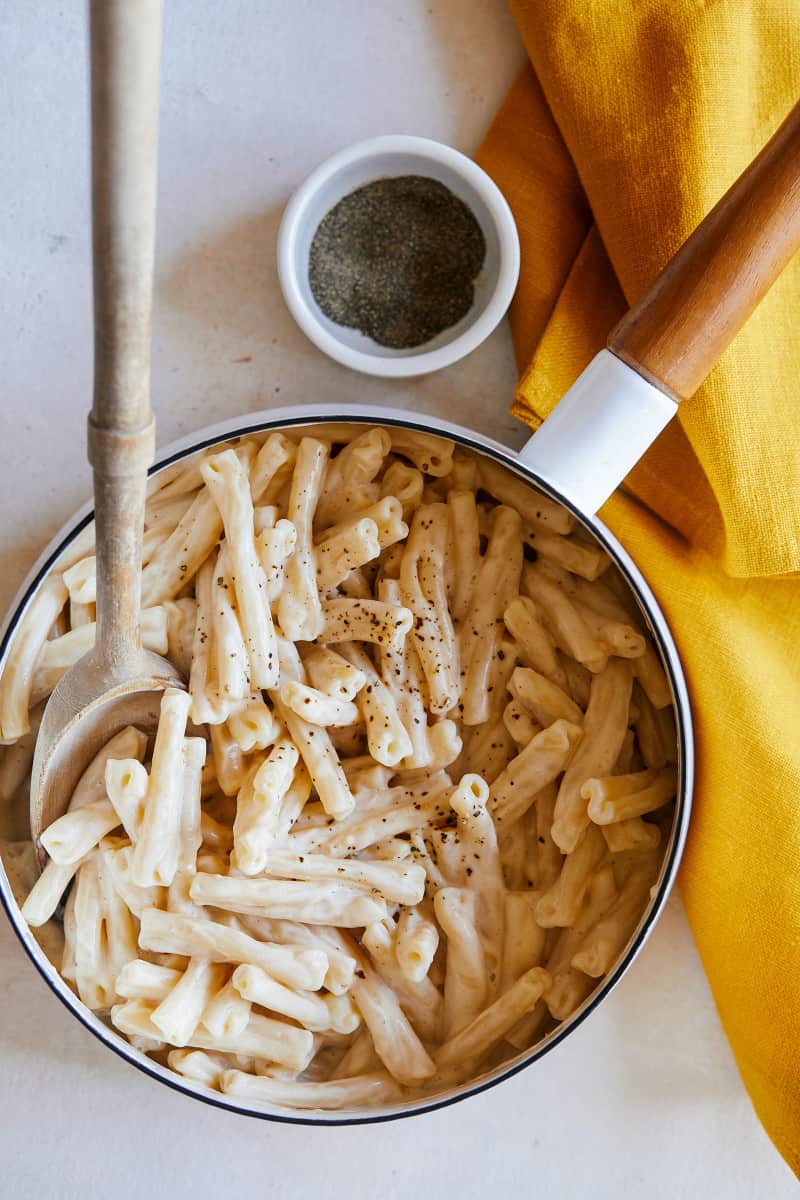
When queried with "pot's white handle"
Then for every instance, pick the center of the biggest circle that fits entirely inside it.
(662, 350)
(598, 431)
(125, 52)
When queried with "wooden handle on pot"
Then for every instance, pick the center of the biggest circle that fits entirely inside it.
(679, 328)
(125, 52)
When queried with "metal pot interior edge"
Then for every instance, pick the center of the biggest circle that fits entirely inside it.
(657, 624)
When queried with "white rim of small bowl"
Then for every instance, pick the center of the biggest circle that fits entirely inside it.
(486, 321)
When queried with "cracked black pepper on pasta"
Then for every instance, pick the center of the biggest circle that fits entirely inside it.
(412, 805)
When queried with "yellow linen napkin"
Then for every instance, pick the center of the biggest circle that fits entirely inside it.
(632, 119)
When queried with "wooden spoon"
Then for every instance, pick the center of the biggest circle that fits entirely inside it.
(117, 683)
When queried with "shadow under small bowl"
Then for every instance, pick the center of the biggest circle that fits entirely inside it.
(379, 158)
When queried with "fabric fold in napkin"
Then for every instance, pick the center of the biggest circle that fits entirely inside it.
(631, 120)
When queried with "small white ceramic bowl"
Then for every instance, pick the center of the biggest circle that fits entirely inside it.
(376, 158)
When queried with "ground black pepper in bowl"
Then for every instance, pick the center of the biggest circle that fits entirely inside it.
(397, 259)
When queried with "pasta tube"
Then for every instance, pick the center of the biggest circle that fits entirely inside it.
(316, 707)
(621, 797)
(45, 895)
(633, 834)
(309, 901)
(178, 559)
(387, 737)
(438, 744)
(649, 739)
(81, 580)
(464, 550)
(344, 550)
(383, 823)
(400, 883)
(16, 759)
(496, 586)
(299, 605)
(617, 637)
(405, 484)
(341, 967)
(387, 517)
(199, 1065)
(349, 478)
(178, 1014)
(156, 853)
(534, 643)
(652, 678)
(227, 1013)
(520, 724)
(261, 1038)
(604, 943)
(547, 857)
(258, 807)
(60, 653)
(117, 858)
(190, 836)
(272, 465)
(359, 1059)
(316, 1012)
(229, 763)
(294, 801)
(604, 729)
(120, 928)
(93, 976)
(253, 726)
(365, 621)
(17, 677)
(396, 1043)
(207, 704)
(377, 1087)
(542, 761)
(545, 699)
(335, 676)
(126, 787)
(431, 454)
(421, 1001)
(72, 836)
(567, 626)
(274, 547)
(579, 557)
(181, 622)
(569, 986)
(232, 666)
(256, 986)
(535, 509)
(561, 903)
(417, 941)
(143, 980)
(321, 761)
(423, 590)
(524, 943)
(462, 1052)
(229, 486)
(466, 984)
(478, 842)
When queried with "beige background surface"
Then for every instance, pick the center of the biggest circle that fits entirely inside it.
(644, 1099)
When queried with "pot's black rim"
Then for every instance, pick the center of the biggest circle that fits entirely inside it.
(659, 628)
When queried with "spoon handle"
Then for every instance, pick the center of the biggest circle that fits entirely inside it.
(125, 52)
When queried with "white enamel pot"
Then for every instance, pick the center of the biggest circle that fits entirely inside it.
(307, 417)
(659, 354)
